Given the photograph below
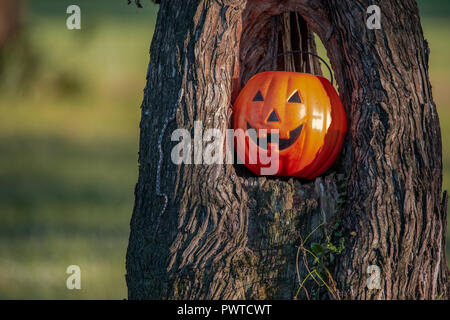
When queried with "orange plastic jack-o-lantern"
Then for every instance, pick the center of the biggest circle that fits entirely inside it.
(308, 114)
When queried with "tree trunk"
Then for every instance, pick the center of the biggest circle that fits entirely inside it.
(9, 20)
(13, 48)
(217, 232)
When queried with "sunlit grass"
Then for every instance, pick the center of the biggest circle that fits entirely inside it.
(437, 31)
(68, 162)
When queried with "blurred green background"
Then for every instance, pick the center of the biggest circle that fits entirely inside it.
(69, 125)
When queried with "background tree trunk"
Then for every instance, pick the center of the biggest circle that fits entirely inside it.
(226, 234)
(10, 11)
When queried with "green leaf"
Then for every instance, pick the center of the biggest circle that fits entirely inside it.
(342, 242)
(317, 248)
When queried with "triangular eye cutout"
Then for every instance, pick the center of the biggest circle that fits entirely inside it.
(258, 97)
(273, 117)
(295, 98)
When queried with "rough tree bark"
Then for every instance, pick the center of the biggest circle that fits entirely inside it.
(226, 234)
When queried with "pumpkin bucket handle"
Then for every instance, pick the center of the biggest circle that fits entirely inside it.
(297, 51)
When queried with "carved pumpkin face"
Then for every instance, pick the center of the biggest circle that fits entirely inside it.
(309, 117)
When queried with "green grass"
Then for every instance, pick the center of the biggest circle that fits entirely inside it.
(68, 150)
(68, 161)
(437, 31)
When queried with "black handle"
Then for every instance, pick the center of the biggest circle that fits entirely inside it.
(297, 51)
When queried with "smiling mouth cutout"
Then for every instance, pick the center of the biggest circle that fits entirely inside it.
(263, 142)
